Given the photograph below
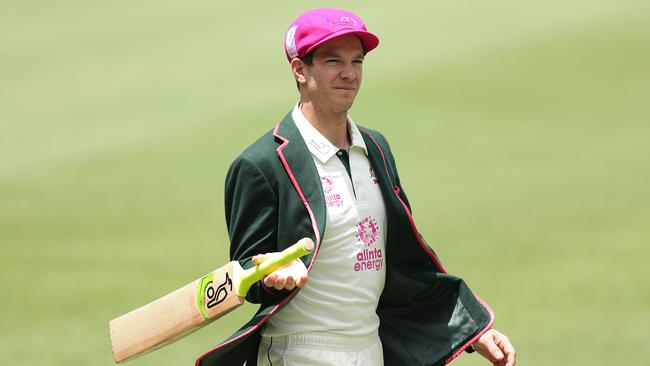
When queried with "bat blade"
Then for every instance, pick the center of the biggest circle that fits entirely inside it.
(175, 315)
(192, 306)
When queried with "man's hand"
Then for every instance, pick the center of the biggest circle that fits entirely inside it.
(496, 347)
(289, 277)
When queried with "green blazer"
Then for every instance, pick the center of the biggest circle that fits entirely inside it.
(274, 197)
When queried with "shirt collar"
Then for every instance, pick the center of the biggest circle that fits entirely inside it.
(318, 145)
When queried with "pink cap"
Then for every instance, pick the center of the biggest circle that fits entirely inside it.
(318, 26)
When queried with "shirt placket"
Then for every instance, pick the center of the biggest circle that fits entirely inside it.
(344, 158)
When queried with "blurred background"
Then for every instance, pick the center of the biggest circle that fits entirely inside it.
(521, 130)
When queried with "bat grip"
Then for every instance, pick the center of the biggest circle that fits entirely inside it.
(303, 247)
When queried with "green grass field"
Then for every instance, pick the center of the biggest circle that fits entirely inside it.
(521, 130)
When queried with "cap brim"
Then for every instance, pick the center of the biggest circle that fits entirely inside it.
(368, 40)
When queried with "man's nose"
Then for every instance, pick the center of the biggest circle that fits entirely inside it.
(348, 72)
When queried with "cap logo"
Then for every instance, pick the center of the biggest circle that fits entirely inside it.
(345, 22)
(290, 42)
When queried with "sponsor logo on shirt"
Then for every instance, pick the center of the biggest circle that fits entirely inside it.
(369, 257)
(332, 197)
(367, 231)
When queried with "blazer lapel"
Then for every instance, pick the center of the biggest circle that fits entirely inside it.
(299, 165)
(379, 163)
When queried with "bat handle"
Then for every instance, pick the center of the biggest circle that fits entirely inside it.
(303, 247)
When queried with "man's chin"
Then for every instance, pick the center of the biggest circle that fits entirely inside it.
(343, 105)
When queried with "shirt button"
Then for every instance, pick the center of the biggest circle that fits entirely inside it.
(339, 153)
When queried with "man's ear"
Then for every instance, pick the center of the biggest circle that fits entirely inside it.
(298, 68)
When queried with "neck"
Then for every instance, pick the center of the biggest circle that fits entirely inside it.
(332, 125)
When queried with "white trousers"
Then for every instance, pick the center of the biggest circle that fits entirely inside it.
(320, 349)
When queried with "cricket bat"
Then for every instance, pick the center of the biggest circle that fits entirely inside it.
(193, 306)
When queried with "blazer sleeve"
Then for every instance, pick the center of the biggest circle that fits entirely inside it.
(251, 217)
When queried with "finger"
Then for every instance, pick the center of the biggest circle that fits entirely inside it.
(495, 354)
(290, 283)
(301, 281)
(269, 281)
(503, 342)
(279, 283)
(511, 354)
(505, 345)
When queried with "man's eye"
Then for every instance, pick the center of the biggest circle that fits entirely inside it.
(332, 61)
(358, 62)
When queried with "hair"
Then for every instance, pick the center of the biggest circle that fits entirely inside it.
(308, 59)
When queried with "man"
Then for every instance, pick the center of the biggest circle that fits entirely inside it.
(372, 292)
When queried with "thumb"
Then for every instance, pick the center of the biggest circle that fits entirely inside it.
(259, 258)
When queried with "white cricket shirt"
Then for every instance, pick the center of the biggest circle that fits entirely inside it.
(348, 275)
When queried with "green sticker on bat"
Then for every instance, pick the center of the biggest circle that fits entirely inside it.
(210, 295)
(206, 284)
